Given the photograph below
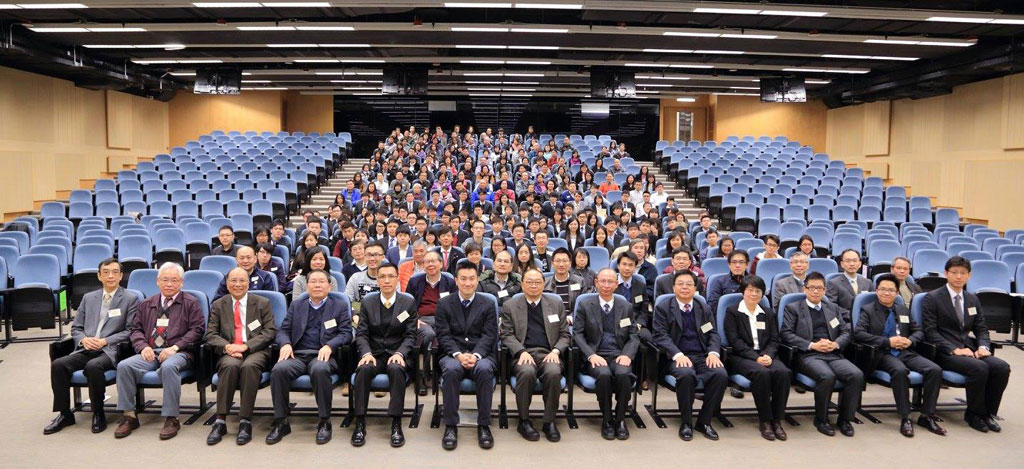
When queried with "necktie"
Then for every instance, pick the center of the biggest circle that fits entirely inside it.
(445, 258)
(687, 308)
(959, 306)
(160, 332)
(607, 308)
(465, 304)
(106, 300)
(853, 285)
(387, 304)
(238, 323)
(891, 330)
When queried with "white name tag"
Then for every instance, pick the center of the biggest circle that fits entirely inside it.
(552, 318)
(113, 313)
(972, 311)
(443, 294)
(625, 322)
(330, 324)
(253, 325)
(575, 287)
(759, 325)
(502, 293)
(706, 327)
(255, 278)
(402, 317)
(638, 299)
(904, 319)
(834, 322)
(273, 269)
(163, 322)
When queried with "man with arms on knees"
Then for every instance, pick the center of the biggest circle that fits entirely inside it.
(818, 331)
(467, 337)
(309, 337)
(101, 323)
(165, 328)
(949, 317)
(241, 330)
(606, 333)
(535, 331)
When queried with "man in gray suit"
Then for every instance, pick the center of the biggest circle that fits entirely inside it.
(844, 288)
(535, 330)
(798, 264)
(905, 285)
(100, 325)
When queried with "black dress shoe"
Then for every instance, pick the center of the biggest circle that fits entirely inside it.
(992, 425)
(397, 437)
(766, 431)
(930, 424)
(977, 423)
(607, 430)
(686, 432)
(99, 422)
(217, 433)
(846, 428)
(824, 428)
(359, 434)
(621, 432)
(278, 430)
(707, 430)
(526, 429)
(244, 433)
(323, 432)
(551, 432)
(484, 437)
(780, 433)
(906, 428)
(450, 439)
(62, 420)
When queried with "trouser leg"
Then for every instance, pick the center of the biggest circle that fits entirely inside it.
(129, 371)
(61, 370)
(483, 375)
(228, 371)
(451, 377)
(281, 377)
(170, 378)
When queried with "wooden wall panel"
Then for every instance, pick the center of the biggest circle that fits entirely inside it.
(305, 113)
(1013, 112)
(747, 115)
(192, 115)
(876, 128)
(119, 120)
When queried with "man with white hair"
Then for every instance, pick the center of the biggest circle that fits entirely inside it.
(165, 329)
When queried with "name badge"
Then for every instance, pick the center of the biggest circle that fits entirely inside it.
(113, 313)
(273, 269)
(402, 317)
(972, 311)
(575, 287)
(502, 293)
(255, 278)
(443, 294)
(759, 325)
(330, 324)
(625, 322)
(705, 328)
(904, 319)
(834, 323)
(638, 299)
(163, 322)
(552, 318)
(253, 325)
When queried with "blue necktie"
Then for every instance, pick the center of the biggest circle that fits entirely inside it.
(465, 304)
(624, 290)
(890, 330)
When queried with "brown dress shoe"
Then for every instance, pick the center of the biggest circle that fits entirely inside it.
(125, 427)
(170, 430)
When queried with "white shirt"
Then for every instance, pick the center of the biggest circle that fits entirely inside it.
(390, 301)
(610, 303)
(812, 305)
(752, 318)
(658, 198)
(241, 313)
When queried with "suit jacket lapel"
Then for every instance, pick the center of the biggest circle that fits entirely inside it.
(550, 328)
(519, 316)
(805, 320)
(299, 321)
(474, 311)
(250, 316)
(829, 316)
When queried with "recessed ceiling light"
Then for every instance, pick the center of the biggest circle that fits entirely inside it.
(744, 88)
(645, 64)
(889, 57)
(691, 66)
(715, 51)
(315, 61)
(816, 14)
(510, 74)
(750, 36)
(527, 62)
(727, 11)
(478, 29)
(817, 82)
(540, 30)
(847, 70)
(472, 88)
(479, 46)
(294, 46)
(959, 19)
(808, 70)
(108, 46)
(686, 100)
(477, 5)
(498, 62)
(8, 6)
(184, 74)
(360, 88)
(297, 4)
(59, 30)
(517, 95)
(656, 77)
(689, 34)
(945, 44)
(845, 56)
(669, 51)
(551, 6)
(482, 74)
(151, 62)
(117, 30)
(344, 45)
(266, 28)
(227, 4)
(474, 82)
(325, 28)
(366, 61)
(51, 6)
(200, 61)
(1007, 21)
(533, 47)
(891, 41)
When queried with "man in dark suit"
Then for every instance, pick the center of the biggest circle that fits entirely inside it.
(385, 335)
(819, 332)
(535, 330)
(888, 327)
(402, 249)
(101, 323)
(567, 285)
(685, 331)
(606, 333)
(467, 337)
(904, 284)
(634, 289)
(259, 279)
(844, 288)
(309, 337)
(450, 255)
(411, 204)
(241, 329)
(949, 316)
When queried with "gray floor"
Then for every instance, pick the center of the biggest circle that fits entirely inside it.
(25, 410)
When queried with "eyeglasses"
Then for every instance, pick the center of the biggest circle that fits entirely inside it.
(814, 288)
(533, 282)
(738, 262)
(886, 290)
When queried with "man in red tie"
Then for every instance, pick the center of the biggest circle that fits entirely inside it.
(240, 332)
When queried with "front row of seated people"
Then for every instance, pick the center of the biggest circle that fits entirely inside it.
(164, 331)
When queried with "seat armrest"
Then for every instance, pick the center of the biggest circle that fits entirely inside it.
(61, 348)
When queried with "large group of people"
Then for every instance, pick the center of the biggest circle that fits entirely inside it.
(440, 229)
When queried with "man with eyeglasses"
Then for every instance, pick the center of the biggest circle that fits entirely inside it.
(101, 323)
(365, 282)
(725, 284)
(888, 326)
(798, 264)
(844, 288)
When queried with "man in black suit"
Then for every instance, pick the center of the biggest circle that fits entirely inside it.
(467, 336)
(949, 316)
(685, 332)
(634, 289)
(450, 255)
(904, 284)
(818, 331)
(887, 326)
(411, 204)
(385, 334)
(606, 333)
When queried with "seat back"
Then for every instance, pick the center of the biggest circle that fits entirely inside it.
(220, 263)
(36, 269)
(143, 280)
(785, 301)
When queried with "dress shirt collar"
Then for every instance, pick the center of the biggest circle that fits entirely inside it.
(682, 305)
(390, 300)
(953, 294)
(757, 309)
(812, 305)
(317, 305)
(610, 303)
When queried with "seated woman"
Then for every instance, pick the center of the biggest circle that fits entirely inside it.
(771, 251)
(315, 259)
(266, 262)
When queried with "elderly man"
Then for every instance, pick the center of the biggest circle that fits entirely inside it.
(163, 333)
(501, 281)
(905, 285)
(100, 325)
(428, 290)
(241, 329)
(408, 269)
(258, 279)
(798, 264)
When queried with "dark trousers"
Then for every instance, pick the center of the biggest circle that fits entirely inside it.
(304, 363)
(397, 376)
(825, 369)
(715, 381)
(242, 375)
(550, 375)
(769, 385)
(899, 368)
(94, 364)
(986, 380)
(452, 374)
(612, 379)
